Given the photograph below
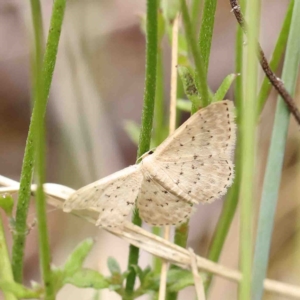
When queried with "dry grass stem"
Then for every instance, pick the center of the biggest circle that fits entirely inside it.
(153, 244)
(172, 127)
(197, 278)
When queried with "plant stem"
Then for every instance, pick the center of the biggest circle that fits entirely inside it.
(275, 159)
(231, 202)
(39, 146)
(147, 120)
(201, 76)
(28, 161)
(248, 122)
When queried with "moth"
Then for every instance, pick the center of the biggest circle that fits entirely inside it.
(193, 165)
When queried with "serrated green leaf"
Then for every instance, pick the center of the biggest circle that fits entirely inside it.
(113, 266)
(133, 131)
(87, 278)
(224, 87)
(7, 204)
(184, 105)
(18, 290)
(77, 257)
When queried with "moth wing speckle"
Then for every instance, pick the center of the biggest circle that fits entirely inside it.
(158, 207)
(205, 180)
(113, 196)
(211, 131)
(197, 158)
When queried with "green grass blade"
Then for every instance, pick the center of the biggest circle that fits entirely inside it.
(39, 147)
(206, 31)
(276, 57)
(147, 119)
(231, 202)
(200, 69)
(275, 159)
(224, 87)
(248, 128)
(196, 12)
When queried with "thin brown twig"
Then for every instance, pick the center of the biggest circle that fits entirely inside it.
(275, 81)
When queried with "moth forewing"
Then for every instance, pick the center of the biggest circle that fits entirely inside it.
(113, 196)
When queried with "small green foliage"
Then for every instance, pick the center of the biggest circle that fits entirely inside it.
(145, 276)
(224, 87)
(65, 274)
(113, 266)
(179, 279)
(77, 257)
(87, 278)
(7, 204)
(188, 81)
(19, 290)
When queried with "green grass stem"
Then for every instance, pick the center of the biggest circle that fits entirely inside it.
(39, 146)
(248, 128)
(147, 120)
(20, 232)
(231, 202)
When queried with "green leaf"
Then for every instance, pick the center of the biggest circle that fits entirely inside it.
(7, 203)
(187, 77)
(76, 259)
(184, 105)
(170, 9)
(142, 274)
(113, 266)
(179, 280)
(175, 274)
(224, 87)
(133, 131)
(87, 278)
(18, 290)
(58, 276)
